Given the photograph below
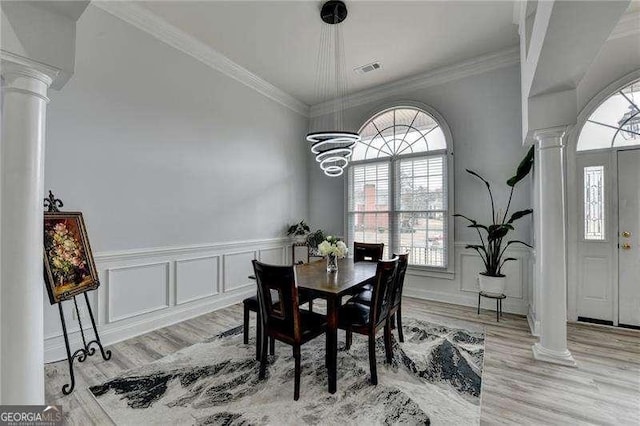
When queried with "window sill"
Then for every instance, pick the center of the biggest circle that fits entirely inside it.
(420, 271)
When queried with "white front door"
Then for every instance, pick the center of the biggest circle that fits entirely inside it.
(596, 264)
(629, 237)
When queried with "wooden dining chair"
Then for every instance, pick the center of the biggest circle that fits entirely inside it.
(395, 309)
(282, 319)
(367, 252)
(363, 319)
(250, 304)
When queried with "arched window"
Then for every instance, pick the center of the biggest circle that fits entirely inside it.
(615, 123)
(398, 185)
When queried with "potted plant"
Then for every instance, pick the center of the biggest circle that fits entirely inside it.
(299, 231)
(315, 238)
(492, 246)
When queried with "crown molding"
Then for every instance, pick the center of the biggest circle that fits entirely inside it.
(478, 65)
(154, 25)
(629, 24)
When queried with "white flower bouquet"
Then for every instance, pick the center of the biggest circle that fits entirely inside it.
(333, 246)
(333, 249)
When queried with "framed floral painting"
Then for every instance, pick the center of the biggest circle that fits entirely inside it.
(69, 268)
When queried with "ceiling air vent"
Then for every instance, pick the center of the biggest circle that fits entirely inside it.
(364, 69)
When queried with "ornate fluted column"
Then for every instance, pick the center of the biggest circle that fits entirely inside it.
(24, 102)
(551, 247)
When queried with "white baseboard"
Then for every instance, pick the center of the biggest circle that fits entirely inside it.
(513, 306)
(54, 347)
(534, 325)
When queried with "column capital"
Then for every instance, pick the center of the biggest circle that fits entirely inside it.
(16, 64)
(552, 137)
(23, 77)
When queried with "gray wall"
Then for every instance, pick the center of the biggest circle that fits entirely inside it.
(483, 113)
(175, 167)
(158, 149)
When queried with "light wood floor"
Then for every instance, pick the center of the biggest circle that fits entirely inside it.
(604, 389)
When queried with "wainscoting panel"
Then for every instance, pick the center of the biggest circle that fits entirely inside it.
(142, 290)
(595, 273)
(462, 288)
(274, 256)
(196, 278)
(137, 290)
(145, 289)
(237, 268)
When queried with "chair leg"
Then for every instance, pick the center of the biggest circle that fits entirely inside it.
(478, 303)
(372, 359)
(246, 324)
(348, 340)
(310, 305)
(498, 310)
(296, 386)
(272, 346)
(258, 338)
(388, 348)
(263, 358)
(392, 321)
(399, 319)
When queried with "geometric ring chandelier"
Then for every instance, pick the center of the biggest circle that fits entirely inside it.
(332, 148)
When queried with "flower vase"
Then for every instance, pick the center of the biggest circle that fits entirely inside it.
(332, 263)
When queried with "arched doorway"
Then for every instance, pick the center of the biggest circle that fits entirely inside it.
(604, 208)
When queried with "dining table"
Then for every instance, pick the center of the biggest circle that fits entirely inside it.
(333, 286)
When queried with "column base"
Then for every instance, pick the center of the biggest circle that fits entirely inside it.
(541, 353)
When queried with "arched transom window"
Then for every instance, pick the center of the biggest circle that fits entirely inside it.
(398, 186)
(615, 123)
(399, 131)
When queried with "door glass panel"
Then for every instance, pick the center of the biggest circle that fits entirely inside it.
(594, 203)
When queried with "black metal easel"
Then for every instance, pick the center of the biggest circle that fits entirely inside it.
(51, 204)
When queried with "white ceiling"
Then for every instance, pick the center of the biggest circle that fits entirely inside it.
(279, 40)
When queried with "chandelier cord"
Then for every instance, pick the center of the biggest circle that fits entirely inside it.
(331, 143)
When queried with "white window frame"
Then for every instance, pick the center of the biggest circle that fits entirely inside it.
(447, 271)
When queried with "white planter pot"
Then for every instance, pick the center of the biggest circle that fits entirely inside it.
(300, 239)
(493, 285)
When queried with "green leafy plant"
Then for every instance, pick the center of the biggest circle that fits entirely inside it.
(300, 228)
(491, 248)
(315, 238)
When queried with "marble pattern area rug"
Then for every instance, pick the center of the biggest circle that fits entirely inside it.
(435, 377)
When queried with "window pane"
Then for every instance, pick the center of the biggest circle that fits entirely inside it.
(594, 203)
(420, 184)
(369, 187)
(370, 228)
(423, 236)
(595, 136)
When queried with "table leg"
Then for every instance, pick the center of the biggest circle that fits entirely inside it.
(332, 342)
